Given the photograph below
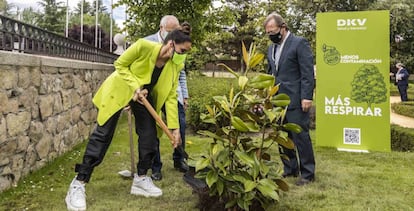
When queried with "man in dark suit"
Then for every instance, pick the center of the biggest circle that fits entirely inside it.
(401, 79)
(290, 60)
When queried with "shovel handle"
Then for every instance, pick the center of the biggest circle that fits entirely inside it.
(131, 143)
(157, 118)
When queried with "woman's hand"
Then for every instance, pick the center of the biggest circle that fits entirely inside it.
(138, 94)
(177, 137)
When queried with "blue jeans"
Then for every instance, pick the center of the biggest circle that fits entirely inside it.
(177, 156)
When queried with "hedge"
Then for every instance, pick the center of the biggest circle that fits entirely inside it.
(402, 139)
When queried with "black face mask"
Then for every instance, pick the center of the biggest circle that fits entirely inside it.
(276, 38)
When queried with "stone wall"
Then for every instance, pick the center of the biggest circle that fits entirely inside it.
(45, 109)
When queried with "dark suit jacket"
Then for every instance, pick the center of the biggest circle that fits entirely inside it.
(404, 78)
(295, 73)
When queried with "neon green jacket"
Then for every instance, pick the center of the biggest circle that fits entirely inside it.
(133, 69)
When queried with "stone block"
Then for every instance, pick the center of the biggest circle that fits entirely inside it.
(8, 77)
(22, 143)
(24, 76)
(12, 106)
(68, 81)
(17, 124)
(46, 106)
(43, 146)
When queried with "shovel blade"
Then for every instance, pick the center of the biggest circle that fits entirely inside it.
(125, 173)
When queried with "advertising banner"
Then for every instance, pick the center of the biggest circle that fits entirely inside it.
(352, 80)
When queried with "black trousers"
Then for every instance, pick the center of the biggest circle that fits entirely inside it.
(101, 138)
(306, 166)
(403, 92)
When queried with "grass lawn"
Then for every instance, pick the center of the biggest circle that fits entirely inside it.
(344, 181)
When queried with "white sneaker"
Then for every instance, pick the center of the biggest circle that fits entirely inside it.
(144, 186)
(75, 198)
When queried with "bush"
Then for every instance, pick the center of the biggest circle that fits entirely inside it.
(404, 108)
(402, 139)
(202, 89)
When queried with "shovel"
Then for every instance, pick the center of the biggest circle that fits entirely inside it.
(180, 149)
(127, 173)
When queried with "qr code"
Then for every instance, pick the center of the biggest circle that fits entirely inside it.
(352, 136)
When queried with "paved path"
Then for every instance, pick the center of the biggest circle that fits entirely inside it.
(399, 119)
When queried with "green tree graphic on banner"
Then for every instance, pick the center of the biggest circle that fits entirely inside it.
(368, 86)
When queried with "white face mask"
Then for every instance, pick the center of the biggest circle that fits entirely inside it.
(164, 34)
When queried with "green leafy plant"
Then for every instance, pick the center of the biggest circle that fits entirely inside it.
(238, 167)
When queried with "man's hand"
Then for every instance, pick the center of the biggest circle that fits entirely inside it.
(177, 137)
(306, 105)
(138, 94)
(185, 101)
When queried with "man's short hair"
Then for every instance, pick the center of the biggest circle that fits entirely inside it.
(274, 16)
(166, 19)
(400, 64)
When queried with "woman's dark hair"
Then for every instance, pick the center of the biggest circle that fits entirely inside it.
(186, 28)
(178, 36)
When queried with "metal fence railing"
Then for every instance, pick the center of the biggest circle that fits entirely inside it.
(21, 37)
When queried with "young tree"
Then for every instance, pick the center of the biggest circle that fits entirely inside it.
(401, 30)
(53, 16)
(144, 16)
(5, 8)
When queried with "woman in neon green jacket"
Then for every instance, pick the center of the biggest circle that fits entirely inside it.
(145, 69)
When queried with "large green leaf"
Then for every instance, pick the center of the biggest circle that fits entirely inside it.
(268, 191)
(202, 163)
(282, 138)
(249, 185)
(210, 134)
(239, 178)
(268, 183)
(229, 69)
(270, 114)
(292, 127)
(253, 126)
(223, 102)
(243, 81)
(264, 169)
(245, 54)
(244, 158)
(261, 81)
(280, 100)
(207, 118)
(238, 124)
(220, 186)
(256, 59)
(211, 178)
(273, 90)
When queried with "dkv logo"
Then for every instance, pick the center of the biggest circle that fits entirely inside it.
(351, 24)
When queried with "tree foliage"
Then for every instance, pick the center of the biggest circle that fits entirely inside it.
(5, 8)
(368, 86)
(401, 25)
(53, 16)
(144, 16)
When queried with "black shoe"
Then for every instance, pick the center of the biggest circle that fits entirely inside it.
(157, 176)
(181, 166)
(303, 181)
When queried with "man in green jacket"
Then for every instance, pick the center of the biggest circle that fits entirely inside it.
(145, 69)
